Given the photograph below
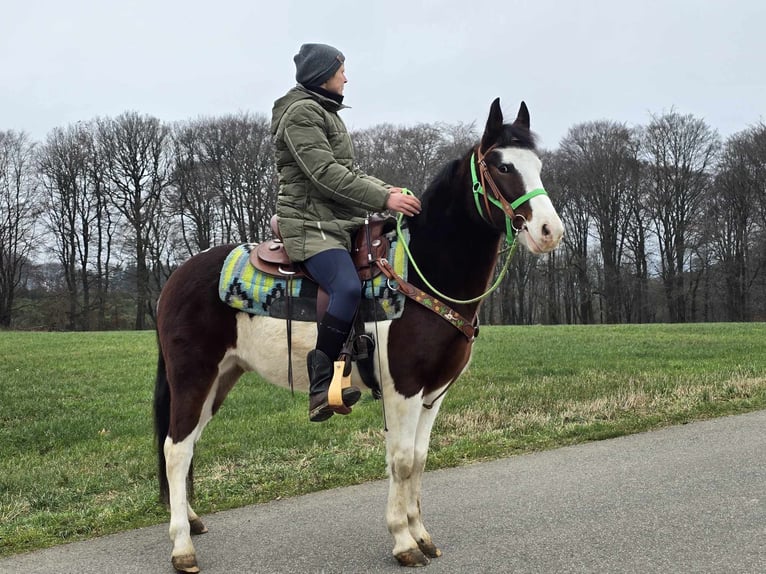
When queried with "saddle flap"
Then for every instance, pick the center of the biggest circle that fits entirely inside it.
(271, 258)
(272, 251)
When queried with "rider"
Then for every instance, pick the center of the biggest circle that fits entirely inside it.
(322, 200)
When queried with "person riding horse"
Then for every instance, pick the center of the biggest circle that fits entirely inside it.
(323, 199)
(492, 193)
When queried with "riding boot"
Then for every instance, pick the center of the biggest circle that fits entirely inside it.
(320, 375)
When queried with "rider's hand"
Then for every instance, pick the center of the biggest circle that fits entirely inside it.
(409, 205)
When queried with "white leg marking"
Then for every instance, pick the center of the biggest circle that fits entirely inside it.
(402, 417)
(178, 457)
(422, 441)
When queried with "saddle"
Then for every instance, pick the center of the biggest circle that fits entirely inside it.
(369, 244)
(270, 257)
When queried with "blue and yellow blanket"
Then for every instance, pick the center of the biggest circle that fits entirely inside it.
(243, 287)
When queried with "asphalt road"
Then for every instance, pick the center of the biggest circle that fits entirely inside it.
(684, 499)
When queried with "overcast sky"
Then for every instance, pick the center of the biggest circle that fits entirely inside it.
(408, 62)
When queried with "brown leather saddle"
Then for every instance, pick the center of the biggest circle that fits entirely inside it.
(271, 258)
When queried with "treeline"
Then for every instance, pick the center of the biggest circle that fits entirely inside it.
(664, 222)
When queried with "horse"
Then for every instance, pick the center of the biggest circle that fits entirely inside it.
(205, 345)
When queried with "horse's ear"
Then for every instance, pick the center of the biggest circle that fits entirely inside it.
(522, 119)
(494, 125)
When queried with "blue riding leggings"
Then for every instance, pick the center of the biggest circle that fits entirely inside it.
(335, 272)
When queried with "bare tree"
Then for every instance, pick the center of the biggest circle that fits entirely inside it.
(225, 185)
(601, 160)
(70, 213)
(106, 223)
(571, 202)
(456, 140)
(18, 209)
(635, 269)
(737, 190)
(680, 151)
(238, 153)
(137, 151)
(195, 198)
(376, 153)
(418, 155)
(411, 156)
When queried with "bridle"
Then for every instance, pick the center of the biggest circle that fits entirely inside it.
(499, 201)
(479, 186)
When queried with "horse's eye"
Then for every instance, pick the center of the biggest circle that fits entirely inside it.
(505, 167)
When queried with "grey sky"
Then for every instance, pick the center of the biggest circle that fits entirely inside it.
(407, 61)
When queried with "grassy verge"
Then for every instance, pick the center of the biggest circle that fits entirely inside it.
(76, 447)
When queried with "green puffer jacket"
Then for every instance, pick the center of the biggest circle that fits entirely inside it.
(322, 199)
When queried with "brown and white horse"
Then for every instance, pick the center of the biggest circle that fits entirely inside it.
(205, 345)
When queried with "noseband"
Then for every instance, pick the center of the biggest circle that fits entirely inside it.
(479, 158)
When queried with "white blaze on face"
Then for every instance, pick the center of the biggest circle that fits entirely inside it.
(544, 230)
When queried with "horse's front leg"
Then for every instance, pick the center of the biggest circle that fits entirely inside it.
(406, 450)
(414, 507)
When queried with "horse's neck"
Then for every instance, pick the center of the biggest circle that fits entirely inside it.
(456, 251)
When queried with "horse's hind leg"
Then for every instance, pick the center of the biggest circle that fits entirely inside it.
(178, 457)
(195, 522)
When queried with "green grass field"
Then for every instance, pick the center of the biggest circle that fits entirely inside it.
(77, 450)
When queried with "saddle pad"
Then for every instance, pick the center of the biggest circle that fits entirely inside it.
(244, 288)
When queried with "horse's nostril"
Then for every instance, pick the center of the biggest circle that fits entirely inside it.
(546, 230)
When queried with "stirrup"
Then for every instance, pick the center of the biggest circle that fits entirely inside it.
(324, 410)
(341, 379)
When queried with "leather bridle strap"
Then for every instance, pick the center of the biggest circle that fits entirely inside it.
(486, 176)
(483, 172)
(468, 328)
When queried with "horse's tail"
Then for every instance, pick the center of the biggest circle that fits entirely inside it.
(162, 422)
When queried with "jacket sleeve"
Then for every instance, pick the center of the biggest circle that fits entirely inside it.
(359, 173)
(305, 137)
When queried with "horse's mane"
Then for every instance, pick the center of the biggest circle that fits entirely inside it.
(436, 199)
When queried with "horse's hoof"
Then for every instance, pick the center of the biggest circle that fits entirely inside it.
(413, 558)
(186, 563)
(429, 549)
(197, 527)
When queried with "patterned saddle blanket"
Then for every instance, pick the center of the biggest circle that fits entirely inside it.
(243, 287)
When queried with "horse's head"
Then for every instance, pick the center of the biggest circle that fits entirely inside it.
(506, 173)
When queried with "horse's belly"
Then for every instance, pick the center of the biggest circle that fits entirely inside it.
(262, 347)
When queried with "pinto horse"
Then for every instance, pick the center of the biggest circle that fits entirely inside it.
(204, 345)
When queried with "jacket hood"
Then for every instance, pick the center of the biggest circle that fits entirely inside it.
(296, 94)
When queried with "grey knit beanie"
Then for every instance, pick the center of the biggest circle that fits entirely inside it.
(317, 63)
